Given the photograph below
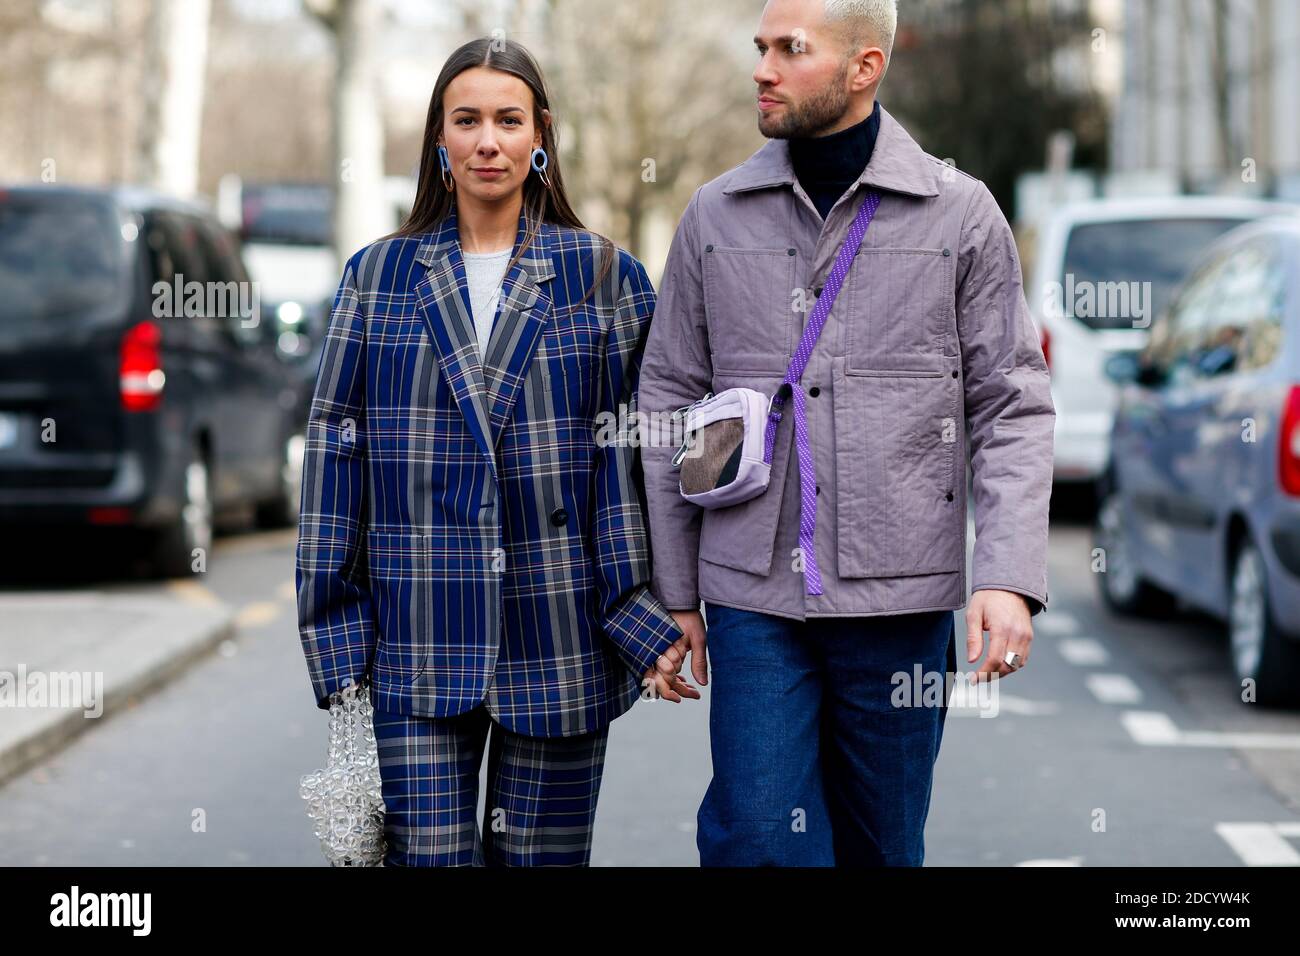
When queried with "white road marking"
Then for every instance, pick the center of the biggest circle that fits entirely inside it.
(1261, 844)
(1068, 861)
(1154, 729)
(1026, 707)
(1055, 623)
(967, 700)
(1083, 652)
(1150, 728)
(1113, 689)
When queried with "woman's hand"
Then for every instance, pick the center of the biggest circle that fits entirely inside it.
(666, 677)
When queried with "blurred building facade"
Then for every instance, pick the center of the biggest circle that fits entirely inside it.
(1211, 94)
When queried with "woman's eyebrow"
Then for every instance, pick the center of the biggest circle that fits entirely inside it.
(476, 111)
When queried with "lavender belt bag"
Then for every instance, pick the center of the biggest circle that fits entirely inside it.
(726, 455)
(722, 460)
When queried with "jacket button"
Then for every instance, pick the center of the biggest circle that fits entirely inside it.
(814, 391)
(947, 253)
(791, 252)
(708, 248)
(559, 517)
(948, 496)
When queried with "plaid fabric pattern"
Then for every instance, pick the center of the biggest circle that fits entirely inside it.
(463, 536)
(541, 800)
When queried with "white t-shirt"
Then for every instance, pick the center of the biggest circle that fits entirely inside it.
(485, 272)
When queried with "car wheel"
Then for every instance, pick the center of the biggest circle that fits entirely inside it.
(1122, 586)
(173, 551)
(282, 510)
(1261, 653)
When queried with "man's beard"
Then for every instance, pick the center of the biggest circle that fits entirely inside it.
(810, 118)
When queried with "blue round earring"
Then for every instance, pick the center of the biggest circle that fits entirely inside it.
(446, 168)
(541, 170)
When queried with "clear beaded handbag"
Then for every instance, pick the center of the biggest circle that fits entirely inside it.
(345, 799)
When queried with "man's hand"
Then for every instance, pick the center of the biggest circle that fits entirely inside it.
(692, 625)
(1005, 615)
(666, 677)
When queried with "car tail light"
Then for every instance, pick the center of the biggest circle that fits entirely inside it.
(1045, 340)
(140, 373)
(1288, 454)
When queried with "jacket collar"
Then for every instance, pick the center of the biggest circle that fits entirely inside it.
(487, 389)
(897, 164)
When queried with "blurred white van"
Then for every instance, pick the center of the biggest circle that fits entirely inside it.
(1098, 273)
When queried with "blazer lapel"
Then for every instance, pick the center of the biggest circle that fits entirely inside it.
(443, 297)
(524, 311)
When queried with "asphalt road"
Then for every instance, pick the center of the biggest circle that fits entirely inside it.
(1122, 743)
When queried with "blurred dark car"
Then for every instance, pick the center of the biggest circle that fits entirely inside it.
(122, 405)
(1201, 499)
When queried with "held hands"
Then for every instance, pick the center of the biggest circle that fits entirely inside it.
(665, 676)
(1005, 615)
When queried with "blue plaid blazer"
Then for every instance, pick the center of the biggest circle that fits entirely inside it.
(463, 536)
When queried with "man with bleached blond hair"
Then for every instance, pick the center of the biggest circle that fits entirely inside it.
(829, 597)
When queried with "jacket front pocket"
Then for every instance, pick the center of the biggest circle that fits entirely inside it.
(743, 536)
(401, 588)
(749, 306)
(899, 510)
(901, 302)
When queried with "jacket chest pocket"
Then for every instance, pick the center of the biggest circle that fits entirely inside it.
(572, 343)
(567, 395)
(901, 303)
(565, 373)
(749, 299)
(900, 481)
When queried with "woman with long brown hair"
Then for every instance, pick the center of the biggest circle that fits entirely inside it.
(468, 548)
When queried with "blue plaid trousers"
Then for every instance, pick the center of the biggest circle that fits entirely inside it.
(541, 800)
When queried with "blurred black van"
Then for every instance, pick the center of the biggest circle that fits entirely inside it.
(139, 387)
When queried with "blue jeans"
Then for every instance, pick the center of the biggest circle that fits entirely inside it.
(823, 737)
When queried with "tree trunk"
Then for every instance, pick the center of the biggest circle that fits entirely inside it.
(360, 215)
(168, 157)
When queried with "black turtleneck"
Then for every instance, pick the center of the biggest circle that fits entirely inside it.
(827, 166)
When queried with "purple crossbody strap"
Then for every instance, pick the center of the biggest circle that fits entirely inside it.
(816, 322)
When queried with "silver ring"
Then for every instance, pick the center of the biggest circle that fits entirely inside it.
(1012, 660)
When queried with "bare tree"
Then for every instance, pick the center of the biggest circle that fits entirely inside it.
(172, 93)
(651, 98)
(977, 82)
(658, 97)
(62, 112)
(359, 209)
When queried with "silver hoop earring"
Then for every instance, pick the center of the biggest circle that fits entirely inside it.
(539, 154)
(445, 160)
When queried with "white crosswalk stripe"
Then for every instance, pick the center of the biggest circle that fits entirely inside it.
(1113, 689)
(1154, 729)
(1083, 652)
(1056, 623)
(1262, 844)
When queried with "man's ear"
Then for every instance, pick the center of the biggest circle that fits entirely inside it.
(871, 67)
